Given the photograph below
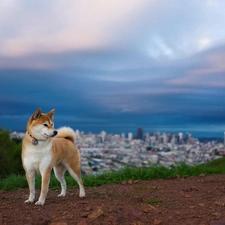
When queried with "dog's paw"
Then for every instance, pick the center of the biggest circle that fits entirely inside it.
(61, 195)
(39, 203)
(28, 201)
(82, 194)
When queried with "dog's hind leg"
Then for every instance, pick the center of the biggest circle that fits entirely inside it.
(73, 168)
(59, 171)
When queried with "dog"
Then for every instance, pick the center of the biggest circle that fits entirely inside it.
(44, 148)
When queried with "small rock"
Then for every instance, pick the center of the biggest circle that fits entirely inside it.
(202, 175)
(130, 182)
(136, 181)
(201, 204)
(220, 203)
(84, 214)
(83, 222)
(64, 213)
(157, 222)
(217, 215)
(88, 209)
(147, 208)
(95, 214)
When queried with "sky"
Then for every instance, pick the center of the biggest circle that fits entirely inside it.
(114, 65)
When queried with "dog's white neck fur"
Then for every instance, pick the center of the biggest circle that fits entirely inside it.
(37, 156)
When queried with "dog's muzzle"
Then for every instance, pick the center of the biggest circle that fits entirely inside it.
(55, 133)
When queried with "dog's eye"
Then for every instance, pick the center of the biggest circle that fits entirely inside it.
(45, 124)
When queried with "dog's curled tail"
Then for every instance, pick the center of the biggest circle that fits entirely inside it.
(67, 133)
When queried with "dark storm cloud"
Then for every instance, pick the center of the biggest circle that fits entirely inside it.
(114, 65)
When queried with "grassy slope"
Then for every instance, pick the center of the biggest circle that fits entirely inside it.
(157, 172)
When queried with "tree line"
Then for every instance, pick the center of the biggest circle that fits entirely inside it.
(10, 154)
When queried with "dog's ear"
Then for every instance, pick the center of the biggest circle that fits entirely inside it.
(51, 113)
(37, 114)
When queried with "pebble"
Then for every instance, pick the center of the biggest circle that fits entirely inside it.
(147, 208)
(83, 222)
(202, 175)
(95, 214)
(220, 203)
(217, 215)
(84, 214)
(88, 209)
(130, 182)
(157, 222)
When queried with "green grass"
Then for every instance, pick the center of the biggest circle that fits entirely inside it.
(151, 173)
(153, 201)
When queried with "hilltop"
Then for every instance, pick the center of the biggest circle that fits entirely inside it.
(178, 200)
(133, 196)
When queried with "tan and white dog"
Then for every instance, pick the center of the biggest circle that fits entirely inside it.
(45, 148)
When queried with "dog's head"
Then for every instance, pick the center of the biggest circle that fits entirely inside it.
(41, 126)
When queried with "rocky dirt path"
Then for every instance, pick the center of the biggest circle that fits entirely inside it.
(178, 201)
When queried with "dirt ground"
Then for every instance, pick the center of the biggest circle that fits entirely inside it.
(175, 201)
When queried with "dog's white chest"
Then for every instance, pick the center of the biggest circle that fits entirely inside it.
(36, 158)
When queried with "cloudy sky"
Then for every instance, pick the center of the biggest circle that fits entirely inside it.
(114, 65)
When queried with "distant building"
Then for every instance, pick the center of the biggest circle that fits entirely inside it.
(103, 135)
(140, 133)
(130, 136)
(165, 138)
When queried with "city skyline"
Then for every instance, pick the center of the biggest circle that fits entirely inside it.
(114, 66)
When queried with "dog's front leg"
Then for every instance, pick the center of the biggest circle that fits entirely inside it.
(30, 175)
(44, 187)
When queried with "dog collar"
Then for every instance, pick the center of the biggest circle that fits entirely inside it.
(34, 140)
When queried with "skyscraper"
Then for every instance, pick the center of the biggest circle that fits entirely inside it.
(140, 133)
(103, 135)
(130, 136)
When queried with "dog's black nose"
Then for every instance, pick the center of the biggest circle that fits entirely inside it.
(55, 132)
